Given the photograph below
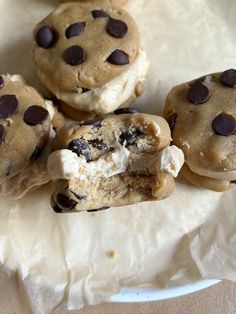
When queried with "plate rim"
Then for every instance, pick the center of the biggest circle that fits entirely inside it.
(136, 295)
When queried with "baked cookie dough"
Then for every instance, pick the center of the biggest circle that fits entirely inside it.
(121, 159)
(116, 3)
(202, 116)
(90, 57)
(25, 128)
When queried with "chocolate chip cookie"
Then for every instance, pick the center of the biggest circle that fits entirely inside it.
(121, 159)
(89, 57)
(202, 117)
(24, 125)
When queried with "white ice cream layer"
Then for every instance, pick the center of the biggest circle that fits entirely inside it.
(64, 164)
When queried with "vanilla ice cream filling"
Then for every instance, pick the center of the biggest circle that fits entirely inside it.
(65, 164)
(108, 97)
(219, 175)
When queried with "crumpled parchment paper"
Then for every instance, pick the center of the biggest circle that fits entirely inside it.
(51, 262)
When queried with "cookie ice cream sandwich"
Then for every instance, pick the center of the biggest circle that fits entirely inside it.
(202, 116)
(121, 159)
(90, 58)
(25, 131)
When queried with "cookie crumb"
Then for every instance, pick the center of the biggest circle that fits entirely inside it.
(202, 154)
(113, 255)
(184, 143)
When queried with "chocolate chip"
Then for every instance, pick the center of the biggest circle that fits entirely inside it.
(74, 55)
(171, 121)
(36, 153)
(198, 93)
(116, 28)
(35, 115)
(99, 14)
(75, 29)
(129, 138)
(199, 80)
(80, 147)
(96, 123)
(9, 169)
(224, 124)
(98, 209)
(118, 57)
(228, 78)
(99, 144)
(78, 196)
(1, 82)
(2, 133)
(45, 37)
(233, 181)
(57, 209)
(85, 90)
(8, 105)
(125, 111)
(65, 202)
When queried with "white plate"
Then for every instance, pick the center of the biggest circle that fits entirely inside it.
(148, 295)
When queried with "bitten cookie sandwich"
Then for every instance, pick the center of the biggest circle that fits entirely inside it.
(90, 57)
(25, 127)
(202, 116)
(121, 159)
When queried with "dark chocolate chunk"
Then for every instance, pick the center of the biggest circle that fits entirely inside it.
(228, 78)
(2, 133)
(65, 202)
(1, 82)
(99, 14)
(199, 80)
(116, 28)
(74, 55)
(45, 37)
(96, 123)
(125, 111)
(75, 29)
(98, 209)
(8, 105)
(36, 153)
(57, 209)
(171, 121)
(224, 124)
(9, 169)
(118, 57)
(198, 94)
(99, 144)
(85, 90)
(35, 115)
(129, 138)
(78, 196)
(80, 147)
(233, 181)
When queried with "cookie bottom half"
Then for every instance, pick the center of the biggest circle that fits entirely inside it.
(119, 190)
(205, 182)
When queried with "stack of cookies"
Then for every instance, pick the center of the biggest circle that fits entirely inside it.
(95, 147)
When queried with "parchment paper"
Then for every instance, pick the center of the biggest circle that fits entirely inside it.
(51, 262)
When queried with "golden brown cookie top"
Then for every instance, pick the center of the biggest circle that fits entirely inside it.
(202, 116)
(81, 45)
